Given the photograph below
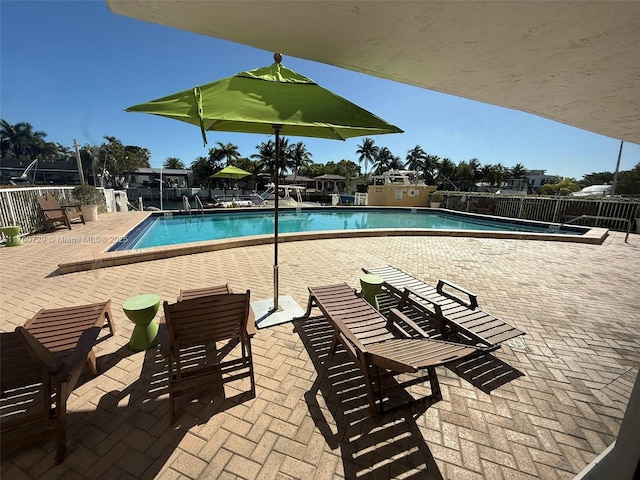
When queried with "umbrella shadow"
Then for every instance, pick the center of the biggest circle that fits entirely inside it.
(389, 447)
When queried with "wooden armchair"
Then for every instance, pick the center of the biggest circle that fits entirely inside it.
(40, 364)
(193, 326)
(54, 213)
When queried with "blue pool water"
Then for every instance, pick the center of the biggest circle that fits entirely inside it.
(159, 230)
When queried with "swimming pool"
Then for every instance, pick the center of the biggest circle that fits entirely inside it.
(172, 229)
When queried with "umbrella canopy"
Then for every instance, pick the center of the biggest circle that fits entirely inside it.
(269, 100)
(231, 172)
(255, 101)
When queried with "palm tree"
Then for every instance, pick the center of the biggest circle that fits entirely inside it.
(300, 157)
(501, 173)
(385, 160)
(431, 165)
(202, 170)
(173, 163)
(415, 159)
(464, 173)
(266, 156)
(228, 151)
(446, 171)
(518, 170)
(476, 168)
(21, 141)
(368, 152)
(284, 157)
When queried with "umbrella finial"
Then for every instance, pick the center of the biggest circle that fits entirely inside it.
(277, 57)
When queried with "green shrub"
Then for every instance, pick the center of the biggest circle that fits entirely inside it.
(87, 195)
(436, 197)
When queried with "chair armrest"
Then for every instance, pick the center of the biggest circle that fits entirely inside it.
(79, 354)
(408, 291)
(251, 323)
(473, 298)
(38, 351)
(396, 315)
(345, 334)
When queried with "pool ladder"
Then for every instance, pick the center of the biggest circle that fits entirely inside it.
(186, 205)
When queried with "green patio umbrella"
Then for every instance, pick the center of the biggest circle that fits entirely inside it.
(269, 100)
(231, 172)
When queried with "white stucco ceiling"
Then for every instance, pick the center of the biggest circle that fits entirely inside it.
(576, 62)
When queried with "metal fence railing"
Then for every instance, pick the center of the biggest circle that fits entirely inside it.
(618, 211)
(18, 206)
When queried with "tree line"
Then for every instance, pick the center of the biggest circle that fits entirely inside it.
(111, 159)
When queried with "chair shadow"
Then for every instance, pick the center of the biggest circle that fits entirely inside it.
(484, 371)
(139, 410)
(389, 447)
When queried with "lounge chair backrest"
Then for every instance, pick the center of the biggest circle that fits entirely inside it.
(50, 206)
(195, 324)
(202, 320)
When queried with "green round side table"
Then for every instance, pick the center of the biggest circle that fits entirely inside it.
(141, 310)
(12, 232)
(371, 286)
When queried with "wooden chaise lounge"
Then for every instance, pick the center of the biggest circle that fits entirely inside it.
(54, 213)
(40, 365)
(458, 319)
(383, 347)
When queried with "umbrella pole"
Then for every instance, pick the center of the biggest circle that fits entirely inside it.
(276, 129)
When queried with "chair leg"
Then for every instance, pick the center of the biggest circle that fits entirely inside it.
(172, 413)
(61, 414)
(92, 362)
(310, 305)
(334, 344)
(250, 357)
(109, 319)
(370, 393)
(436, 393)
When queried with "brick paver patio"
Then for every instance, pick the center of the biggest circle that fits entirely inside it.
(578, 304)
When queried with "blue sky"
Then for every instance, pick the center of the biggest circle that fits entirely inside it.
(70, 68)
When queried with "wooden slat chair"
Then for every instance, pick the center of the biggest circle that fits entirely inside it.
(42, 362)
(461, 318)
(198, 322)
(203, 292)
(54, 213)
(383, 347)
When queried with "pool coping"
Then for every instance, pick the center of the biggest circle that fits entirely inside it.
(92, 259)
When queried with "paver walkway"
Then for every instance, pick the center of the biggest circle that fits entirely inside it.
(578, 304)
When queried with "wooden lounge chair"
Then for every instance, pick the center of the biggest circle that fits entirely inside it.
(196, 322)
(458, 319)
(383, 347)
(40, 365)
(54, 213)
